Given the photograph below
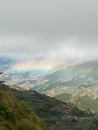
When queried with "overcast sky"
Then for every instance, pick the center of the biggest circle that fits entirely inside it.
(58, 30)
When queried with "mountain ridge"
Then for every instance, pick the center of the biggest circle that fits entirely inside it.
(57, 115)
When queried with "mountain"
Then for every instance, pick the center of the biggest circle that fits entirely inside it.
(84, 97)
(57, 114)
(6, 62)
(84, 74)
(15, 115)
(75, 84)
(37, 75)
(22, 72)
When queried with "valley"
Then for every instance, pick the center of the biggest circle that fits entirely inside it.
(56, 114)
(74, 87)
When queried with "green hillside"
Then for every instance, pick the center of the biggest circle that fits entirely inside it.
(57, 114)
(16, 115)
(85, 98)
(84, 103)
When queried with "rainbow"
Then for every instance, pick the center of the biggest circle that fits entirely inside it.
(33, 66)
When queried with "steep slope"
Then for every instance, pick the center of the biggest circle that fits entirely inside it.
(76, 84)
(58, 115)
(15, 115)
(85, 98)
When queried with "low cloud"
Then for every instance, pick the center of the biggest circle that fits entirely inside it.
(56, 30)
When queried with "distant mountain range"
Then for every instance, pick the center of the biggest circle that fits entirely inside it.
(65, 83)
(20, 72)
(27, 76)
(79, 75)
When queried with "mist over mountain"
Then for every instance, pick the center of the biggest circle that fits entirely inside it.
(34, 73)
(58, 31)
(50, 48)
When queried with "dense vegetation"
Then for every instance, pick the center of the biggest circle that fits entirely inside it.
(16, 115)
(84, 99)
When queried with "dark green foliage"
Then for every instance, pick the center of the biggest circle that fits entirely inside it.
(16, 115)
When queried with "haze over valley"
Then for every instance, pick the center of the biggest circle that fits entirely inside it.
(49, 65)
